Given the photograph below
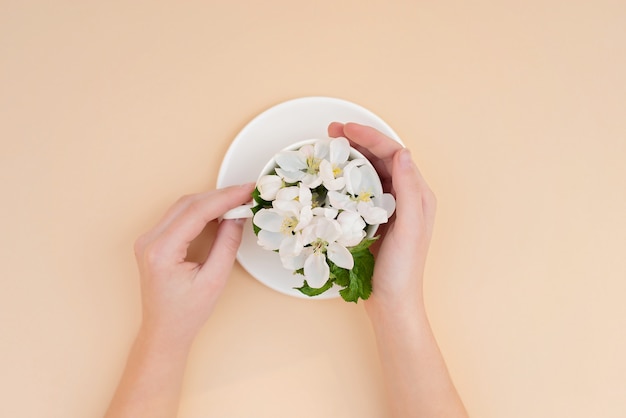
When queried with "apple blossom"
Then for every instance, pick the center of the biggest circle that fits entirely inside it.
(315, 211)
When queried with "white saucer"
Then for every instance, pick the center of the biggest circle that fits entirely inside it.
(268, 133)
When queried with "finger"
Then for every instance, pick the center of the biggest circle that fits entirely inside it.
(429, 205)
(223, 251)
(429, 202)
(335, 130)
(173, 242)
(181, 204)
(376, 143)
(408, 185)
(381, 232)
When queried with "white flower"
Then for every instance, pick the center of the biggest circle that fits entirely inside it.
(331, 169)
(321, 204)
(304, 164)
(296, 262)
(352, 228)
(362, 180)
(277, 229)
(281, 225)
(268, 186)
(365, 194)
(295, 199)
(322, 235)
(328, 212)
(316, 270)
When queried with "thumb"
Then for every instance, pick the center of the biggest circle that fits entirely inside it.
(407, 183)
(223, 251)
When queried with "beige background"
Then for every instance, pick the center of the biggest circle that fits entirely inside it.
(515, 112)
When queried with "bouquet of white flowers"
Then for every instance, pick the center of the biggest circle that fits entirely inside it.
(319, 206)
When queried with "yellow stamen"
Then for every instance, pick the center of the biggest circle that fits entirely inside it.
(363, 197)
(288, 225)
(313, 165)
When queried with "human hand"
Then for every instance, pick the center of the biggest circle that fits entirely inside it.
(178, 295)
(401, 253)
(415, 373)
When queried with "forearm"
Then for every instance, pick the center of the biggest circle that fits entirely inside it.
(152, 380)
(415, 373)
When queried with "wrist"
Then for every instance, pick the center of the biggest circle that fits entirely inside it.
(161, 339)
(398, 312)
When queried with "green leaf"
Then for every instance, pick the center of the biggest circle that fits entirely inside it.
(311, 291)
(319, 195)
(364, 244)
(260, 204)
(254, 210)
(256, 195)
(341, 275)
(351, 292)
(360, 278)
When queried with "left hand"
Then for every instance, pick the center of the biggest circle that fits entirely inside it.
(178, 295)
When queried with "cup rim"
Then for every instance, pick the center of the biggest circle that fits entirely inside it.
(370, 231)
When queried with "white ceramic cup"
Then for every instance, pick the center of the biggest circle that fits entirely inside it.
(245, 211)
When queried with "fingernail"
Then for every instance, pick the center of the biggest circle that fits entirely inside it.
(238, 221)
(405, 159)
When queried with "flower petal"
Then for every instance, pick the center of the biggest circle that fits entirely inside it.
(373, 215)
(353, 239)
(326, 171)
(305, 196)
(311, 180)
(316, 270)
(352, 174)
(327, 229)
(287, 193)
(291, 160)
(290, 176)
(370, 182)
(339, 150)
(288, 207)
(307, 151)
(340, 201)
(268, 186)
(387, 202)
(321, 148)
(340, 255)
(290, 246)
(306, 216)
(335, 184)
(308, 232)
(296, 262)
(268, 219)
(269, 240)
(327, 174)
(352, 228)
(327, 212)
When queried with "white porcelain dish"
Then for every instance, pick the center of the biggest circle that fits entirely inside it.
(274, 129)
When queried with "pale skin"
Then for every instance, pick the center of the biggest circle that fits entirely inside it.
(416, 376)
(178, 295)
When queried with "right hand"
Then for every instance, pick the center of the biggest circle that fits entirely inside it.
(401, 255)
